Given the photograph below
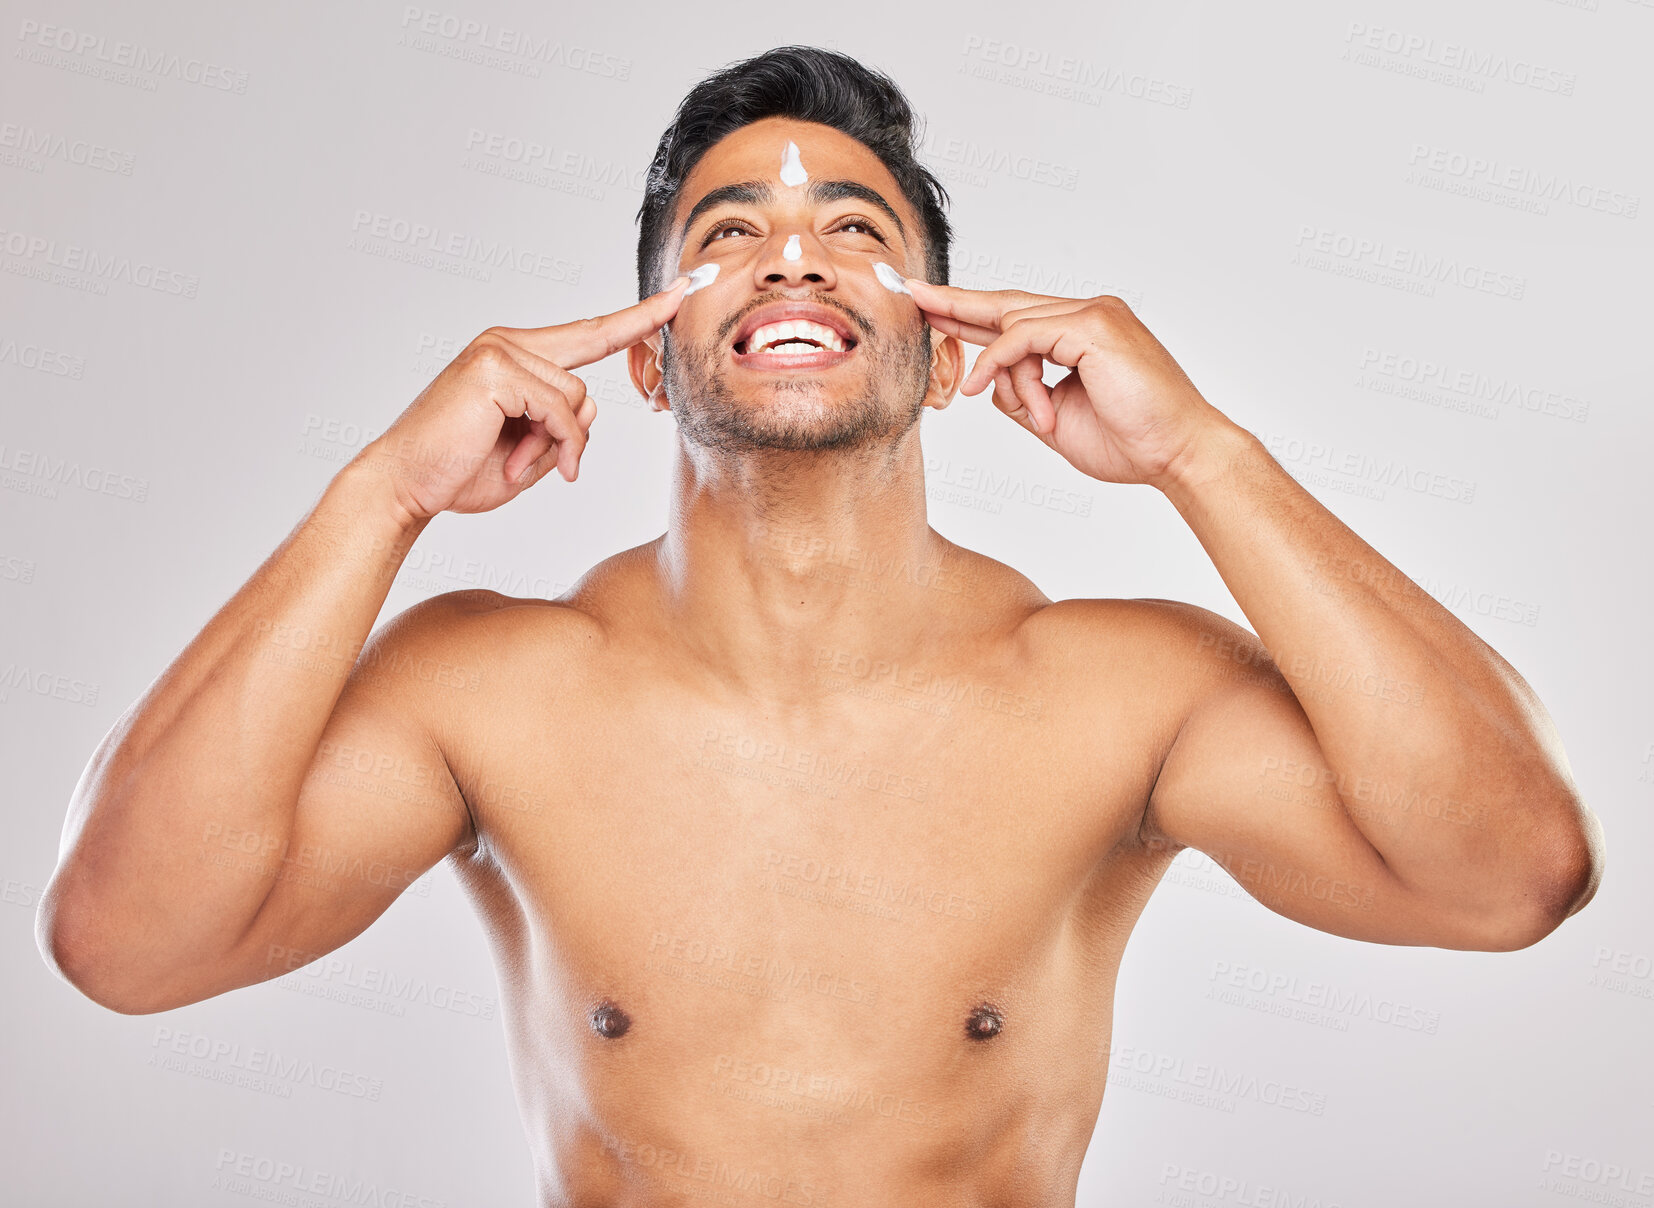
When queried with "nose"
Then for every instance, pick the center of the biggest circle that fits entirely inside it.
(813, 266)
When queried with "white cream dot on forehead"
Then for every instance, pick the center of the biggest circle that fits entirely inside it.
(792, 168)
(791, 250)
(890, 278)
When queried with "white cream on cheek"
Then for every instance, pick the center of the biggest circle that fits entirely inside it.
(791, 250)
(792, 168)
(890, 278)
(700, 276)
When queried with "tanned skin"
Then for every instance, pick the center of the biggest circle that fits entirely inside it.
(807, 841)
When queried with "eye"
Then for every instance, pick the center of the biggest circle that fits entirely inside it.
(867, 228)
(728, 224)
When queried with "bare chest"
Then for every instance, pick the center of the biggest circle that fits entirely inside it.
(730, 931)
(917, 841)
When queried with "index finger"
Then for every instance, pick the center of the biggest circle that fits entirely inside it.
(968, 332)
(979, 307)
(583, 341)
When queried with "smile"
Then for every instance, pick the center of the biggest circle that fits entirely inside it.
(800, 332)
(792, 342)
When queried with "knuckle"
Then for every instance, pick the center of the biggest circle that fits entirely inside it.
(485, 356)
(564, 410)
(561, 417)
(546, 401)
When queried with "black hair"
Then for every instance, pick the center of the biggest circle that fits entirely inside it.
(808, 84)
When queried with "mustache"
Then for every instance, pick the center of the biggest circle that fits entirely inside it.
(858, 323)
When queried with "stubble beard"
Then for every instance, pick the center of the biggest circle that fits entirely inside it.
(795, 412)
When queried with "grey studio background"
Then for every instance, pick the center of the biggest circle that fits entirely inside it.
(1406, 243)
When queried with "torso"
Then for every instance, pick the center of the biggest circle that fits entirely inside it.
(861, 952)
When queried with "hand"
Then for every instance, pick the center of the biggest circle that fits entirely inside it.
(1126, 413)
(505, 410)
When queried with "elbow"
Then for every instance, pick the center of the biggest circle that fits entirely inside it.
(1561, 878)
(1582, 857)
(72, 946)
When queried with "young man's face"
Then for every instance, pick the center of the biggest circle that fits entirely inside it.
(778, 240)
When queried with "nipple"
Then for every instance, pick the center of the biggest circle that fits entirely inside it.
(609, 1021)
(984, 1023)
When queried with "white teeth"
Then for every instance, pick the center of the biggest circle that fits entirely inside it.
(769, 335)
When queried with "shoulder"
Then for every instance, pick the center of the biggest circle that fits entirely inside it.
(1137, 671)
(1164, 652)
(1171, 639)
(488, 627)
(1166, 632)
(469, 621)
(462, 644)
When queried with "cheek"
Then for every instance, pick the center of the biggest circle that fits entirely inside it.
(700, 277)
(687, 343)
(890, 278)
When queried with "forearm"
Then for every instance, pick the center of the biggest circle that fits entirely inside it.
(218, 746)
(1442, 754)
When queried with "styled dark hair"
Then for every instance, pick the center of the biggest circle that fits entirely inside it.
(808, 84)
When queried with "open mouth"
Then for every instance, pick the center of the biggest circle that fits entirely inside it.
(793, 344)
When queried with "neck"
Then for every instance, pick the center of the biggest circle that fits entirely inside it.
(775, 562)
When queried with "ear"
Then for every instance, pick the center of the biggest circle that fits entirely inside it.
(643, 363)
(947, 369)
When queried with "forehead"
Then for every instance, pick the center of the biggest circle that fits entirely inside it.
(754, 153)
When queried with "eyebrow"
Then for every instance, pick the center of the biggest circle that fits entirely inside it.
(817, 192)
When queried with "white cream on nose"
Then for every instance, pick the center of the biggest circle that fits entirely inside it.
(791, 250)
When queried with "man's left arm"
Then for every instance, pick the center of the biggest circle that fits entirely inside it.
(1417, 722)
(1440, 753)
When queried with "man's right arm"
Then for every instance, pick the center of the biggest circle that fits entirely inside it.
(272, 791)
(235, 788)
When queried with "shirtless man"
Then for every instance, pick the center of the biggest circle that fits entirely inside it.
(807, 841)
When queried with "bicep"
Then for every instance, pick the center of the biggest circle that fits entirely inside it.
(378, 809)
(1245, 781)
